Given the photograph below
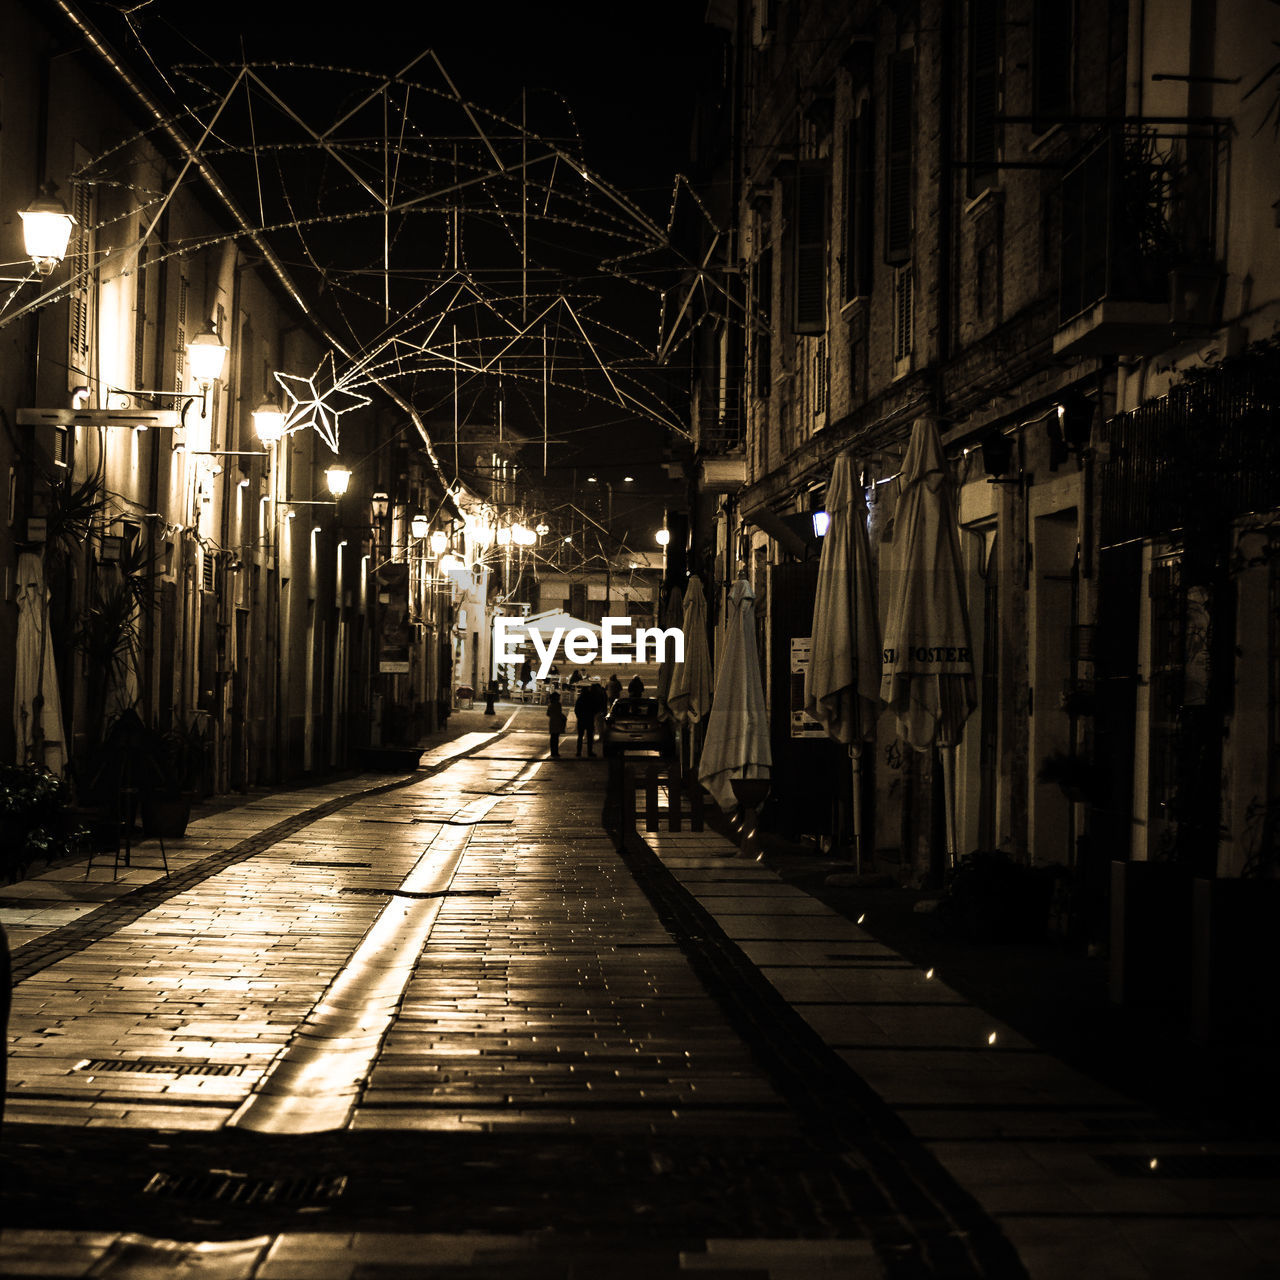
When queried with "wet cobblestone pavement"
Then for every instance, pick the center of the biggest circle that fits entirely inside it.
(444, 1026)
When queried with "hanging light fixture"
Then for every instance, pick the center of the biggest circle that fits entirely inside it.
(268, 422)
(379, 505)
(439, 541)
(207, 355)
(337, 477)
(420, 525)
(46, 229)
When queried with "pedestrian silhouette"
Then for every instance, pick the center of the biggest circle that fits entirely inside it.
(556, 723)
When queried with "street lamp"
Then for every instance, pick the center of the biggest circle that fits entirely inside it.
(337, 477)
(268, 422)
(46, 229)
(420, 525)
(439, 541)
(662, 537)
(380, 504)
(206, 354)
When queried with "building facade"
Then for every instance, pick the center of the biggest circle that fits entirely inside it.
(1052, 228)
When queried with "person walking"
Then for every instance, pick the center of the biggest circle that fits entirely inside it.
(636, 688)
(584, 709)
(557, 721)
(613, 690)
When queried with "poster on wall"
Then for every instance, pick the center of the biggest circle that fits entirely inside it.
(803, 725)
(394, 629)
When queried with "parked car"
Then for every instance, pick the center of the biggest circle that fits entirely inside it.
(634, 724)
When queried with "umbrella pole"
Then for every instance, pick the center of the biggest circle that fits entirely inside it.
(948, 754)
(855, 760)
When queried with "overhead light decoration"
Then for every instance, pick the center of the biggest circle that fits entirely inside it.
(542, 530)
(319, 401)
(46, 230)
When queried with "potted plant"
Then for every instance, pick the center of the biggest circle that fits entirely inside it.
(33, 818)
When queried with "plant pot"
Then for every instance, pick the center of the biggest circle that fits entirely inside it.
(165, 816)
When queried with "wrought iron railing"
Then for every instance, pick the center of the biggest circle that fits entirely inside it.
(1139, 202)
(1201, 456)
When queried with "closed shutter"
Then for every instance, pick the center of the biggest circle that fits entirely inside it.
(898, 137)
(859, 204)
(903, 315)
(809, 242)
(984, 91)
(80, 308)
(180, 353)
(762, 330)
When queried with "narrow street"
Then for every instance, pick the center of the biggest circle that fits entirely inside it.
(441, 1026)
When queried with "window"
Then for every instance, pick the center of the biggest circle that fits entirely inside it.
(984, 92)
(859, 194)
(1052, 38)
(809, 248)
(898, 157)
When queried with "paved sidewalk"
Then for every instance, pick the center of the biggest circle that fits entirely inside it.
(629, 1063)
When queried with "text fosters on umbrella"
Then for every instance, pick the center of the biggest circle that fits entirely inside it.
(615, 643)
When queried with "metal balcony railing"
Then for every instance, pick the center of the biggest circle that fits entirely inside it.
(1138, 205)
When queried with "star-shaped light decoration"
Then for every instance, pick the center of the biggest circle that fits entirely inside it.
(318, 401)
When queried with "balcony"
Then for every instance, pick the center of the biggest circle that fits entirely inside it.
(1136, 241)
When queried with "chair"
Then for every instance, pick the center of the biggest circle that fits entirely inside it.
(108, 809)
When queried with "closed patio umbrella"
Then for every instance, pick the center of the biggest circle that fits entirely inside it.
(36, 701)
(842, 681)
(737, 741)
(928, 677)
(672, 616)
(689, 697)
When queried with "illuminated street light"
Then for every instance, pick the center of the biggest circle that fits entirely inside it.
(268, 422)
(419, 525)
(207, 355)
(337, 477)
(380, 504)
(46, 229)
(439, 540)
(662, 537)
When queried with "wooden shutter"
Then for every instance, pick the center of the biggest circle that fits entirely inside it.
(898, 149)
(984, 91)
(859, 204)
(762, 330)
(903, 314)
(809, 248)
